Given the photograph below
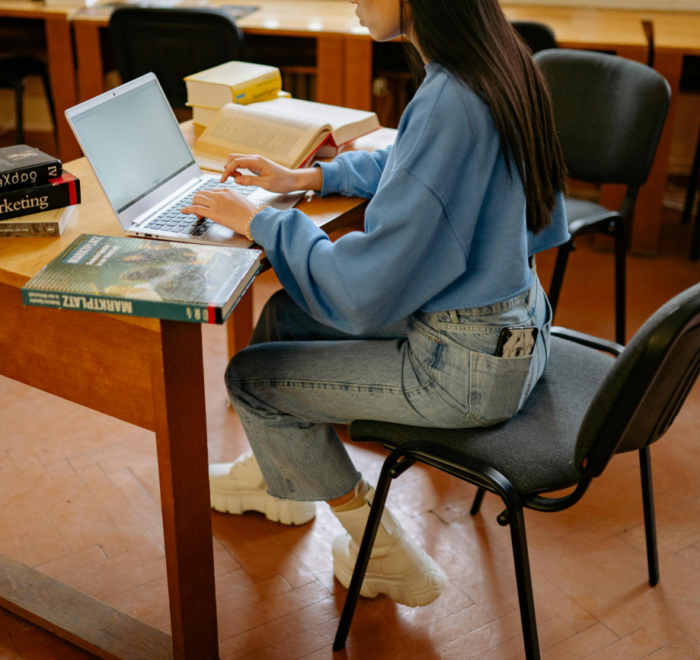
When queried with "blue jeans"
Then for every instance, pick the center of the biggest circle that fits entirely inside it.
(298, 377)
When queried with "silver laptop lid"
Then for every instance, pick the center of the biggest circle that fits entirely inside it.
(134, 145)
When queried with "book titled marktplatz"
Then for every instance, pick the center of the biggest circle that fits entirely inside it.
(22, 166)
(53, 194)
(139, 277)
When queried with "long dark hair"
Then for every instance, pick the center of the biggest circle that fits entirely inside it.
(473, 40)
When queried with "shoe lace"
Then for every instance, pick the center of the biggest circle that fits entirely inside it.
(244, 461)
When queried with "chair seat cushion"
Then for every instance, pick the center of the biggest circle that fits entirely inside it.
(581, 214)
(535, 449)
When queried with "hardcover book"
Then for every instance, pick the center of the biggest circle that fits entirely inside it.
(139, 277)
(37, 225)
(55, 193)
(287, 131)
(233, 82)
(22, 166)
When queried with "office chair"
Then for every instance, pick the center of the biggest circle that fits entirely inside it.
(172, 43)
(586, 408)
(609, 113)
(537, 36)
(13, 71)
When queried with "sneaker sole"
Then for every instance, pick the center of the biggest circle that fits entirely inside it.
(417, 588)
(287, 512)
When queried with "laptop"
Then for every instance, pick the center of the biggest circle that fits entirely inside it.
(135, 147)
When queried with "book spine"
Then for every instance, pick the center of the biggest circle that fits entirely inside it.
(261, 90)
(29, 229)
(29, 176)
(170, 311)
(64, 192)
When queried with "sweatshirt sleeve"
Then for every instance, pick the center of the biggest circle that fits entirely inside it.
(366, 281)
(355, 173)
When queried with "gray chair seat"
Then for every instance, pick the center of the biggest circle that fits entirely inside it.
(580, 209)
(534, 450)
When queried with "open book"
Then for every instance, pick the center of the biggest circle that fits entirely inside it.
(287, 131)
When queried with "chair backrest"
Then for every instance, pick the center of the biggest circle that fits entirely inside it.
(608, 112)
(646, 387)
(537, 36)
(172, 43)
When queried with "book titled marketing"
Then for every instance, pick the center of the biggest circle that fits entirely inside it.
(140, 277)
(54, 194)
(22, 166)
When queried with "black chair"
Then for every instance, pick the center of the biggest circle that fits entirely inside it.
(172, 43)
(609, 113)
(537, 36)
(690, 203)
(13, 71)
(586, 408)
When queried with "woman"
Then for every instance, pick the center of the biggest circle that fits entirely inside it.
(400, 323)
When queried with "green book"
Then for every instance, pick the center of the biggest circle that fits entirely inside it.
(138, 277)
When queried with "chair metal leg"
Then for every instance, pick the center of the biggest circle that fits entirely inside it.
(523, 577)
(478, 499)
(620, 282)
(692, 186)
(390, 470)
(558, 275)
(649, 517)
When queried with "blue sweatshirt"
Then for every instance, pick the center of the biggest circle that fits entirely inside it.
(445, 228)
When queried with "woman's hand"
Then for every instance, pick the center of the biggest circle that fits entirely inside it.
(224, 207)
(271, 176)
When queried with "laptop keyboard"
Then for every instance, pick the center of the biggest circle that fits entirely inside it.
(178, 223)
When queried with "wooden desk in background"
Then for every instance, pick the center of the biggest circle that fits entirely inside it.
(343, 78)
(59, 46)
(146, 372)
(677, 35)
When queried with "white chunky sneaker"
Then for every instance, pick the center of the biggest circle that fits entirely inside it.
(397, 567)
(239, 486)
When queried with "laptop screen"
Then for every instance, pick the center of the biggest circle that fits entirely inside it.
(133, 143)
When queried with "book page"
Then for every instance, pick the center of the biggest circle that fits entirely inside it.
(346, 123)
(240, 129)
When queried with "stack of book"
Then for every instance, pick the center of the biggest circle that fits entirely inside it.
(37, 196)
(234, 82)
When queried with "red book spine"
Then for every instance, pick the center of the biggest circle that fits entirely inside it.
(57, 193)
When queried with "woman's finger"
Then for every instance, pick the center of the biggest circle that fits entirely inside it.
(243, 180)
(198, 210)
(233, 164)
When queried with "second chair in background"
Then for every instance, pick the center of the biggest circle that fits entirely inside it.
(172, 43)
(609, 113)
(537, 36)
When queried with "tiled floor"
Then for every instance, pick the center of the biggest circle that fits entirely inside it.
(79, 501)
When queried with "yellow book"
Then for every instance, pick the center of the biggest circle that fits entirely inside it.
(233, 82)
(204, 116)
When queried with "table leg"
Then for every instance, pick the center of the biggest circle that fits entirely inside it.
(647, 218)
(59, 45)
(88, 53)
(181, 439)
(330, 78)
(358, 73)
(239, 327)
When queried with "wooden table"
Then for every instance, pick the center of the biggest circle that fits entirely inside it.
(342, 79)
(677, 35)
(146, 372)
(59, 44)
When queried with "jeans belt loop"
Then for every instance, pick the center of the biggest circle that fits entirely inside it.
(453, 316)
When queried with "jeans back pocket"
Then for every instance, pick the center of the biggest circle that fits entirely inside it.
(498, 387)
